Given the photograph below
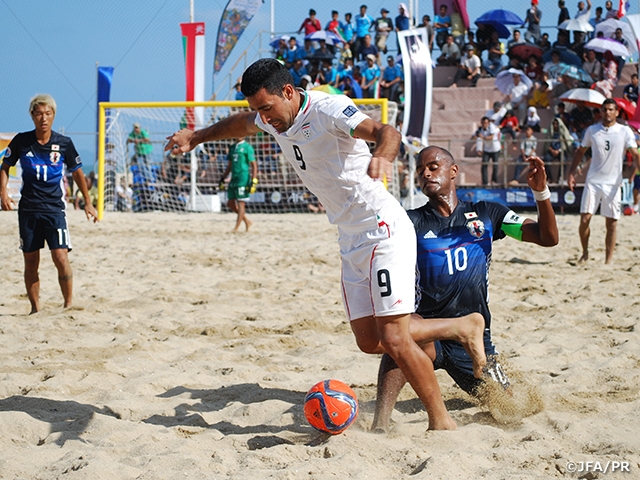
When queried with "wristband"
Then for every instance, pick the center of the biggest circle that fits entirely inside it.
(543, 195)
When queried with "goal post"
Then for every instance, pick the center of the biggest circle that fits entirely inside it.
(158, 180)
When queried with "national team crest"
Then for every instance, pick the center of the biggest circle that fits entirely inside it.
(306, 130)
(54, 157)
(476, 228)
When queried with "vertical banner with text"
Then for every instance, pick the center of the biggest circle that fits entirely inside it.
(416, 62)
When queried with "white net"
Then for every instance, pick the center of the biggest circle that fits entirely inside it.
(147, 178)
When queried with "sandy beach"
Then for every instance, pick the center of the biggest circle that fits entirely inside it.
(189, 351)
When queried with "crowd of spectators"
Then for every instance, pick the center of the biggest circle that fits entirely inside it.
(355, 57)
(351, 55)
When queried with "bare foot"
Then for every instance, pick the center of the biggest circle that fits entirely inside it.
(248, 223)
(445, 423)
(583, 258)
(472, 339)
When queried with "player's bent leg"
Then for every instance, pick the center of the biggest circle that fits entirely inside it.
(31, 279)
(416, 366)
(60, 258)
(610, 238)
(390, 383)
(468, 330)
(365, 330)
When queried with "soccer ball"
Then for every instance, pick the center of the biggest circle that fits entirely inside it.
(628, 210)
(330, 406)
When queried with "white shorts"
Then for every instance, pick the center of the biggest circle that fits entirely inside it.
(607, 196)
(379, 268)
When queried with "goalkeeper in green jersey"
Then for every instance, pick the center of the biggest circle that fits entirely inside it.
(241, 158)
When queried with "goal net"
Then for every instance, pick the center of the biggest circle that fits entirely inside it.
(137, 175)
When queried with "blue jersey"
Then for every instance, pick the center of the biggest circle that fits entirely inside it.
(454, 254)
(42, 170)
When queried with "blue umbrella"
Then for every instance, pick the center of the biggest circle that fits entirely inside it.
(571, 71)
(276, 41)
(329, 37)
(566, 56)
(503, 17)
(503, 32)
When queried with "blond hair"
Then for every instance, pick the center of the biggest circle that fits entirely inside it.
(42, 99)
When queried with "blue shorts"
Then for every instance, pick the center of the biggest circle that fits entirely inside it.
(35, 228)
(636, 182)
(452, 357)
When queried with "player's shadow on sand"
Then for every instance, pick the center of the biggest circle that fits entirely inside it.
(212, 400)
(67, 417)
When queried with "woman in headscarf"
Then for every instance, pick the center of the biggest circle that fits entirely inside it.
(401, 21)
(559, 147)
(532, 120)
(609, 75)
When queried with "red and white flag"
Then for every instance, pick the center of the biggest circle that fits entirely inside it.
(193, 44)
(622, 8)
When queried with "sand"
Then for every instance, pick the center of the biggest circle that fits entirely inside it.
(190, 349)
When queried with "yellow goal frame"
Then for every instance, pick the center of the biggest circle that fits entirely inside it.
(102, 121)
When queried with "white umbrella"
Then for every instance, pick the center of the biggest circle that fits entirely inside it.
(590, 97)
(504, 80)
(604, 44)
(608, 28)
(576, 25)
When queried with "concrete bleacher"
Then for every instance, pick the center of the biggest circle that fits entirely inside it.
(456, 114)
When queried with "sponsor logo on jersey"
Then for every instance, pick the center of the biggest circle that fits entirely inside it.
(476, 228)
(30, 154)
(7, 152)
(350, 111)
(306, 130)
(78, 160)
(55, 148)
(430, 234)
(470, 215)
(54, 157)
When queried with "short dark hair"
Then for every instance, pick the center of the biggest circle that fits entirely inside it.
(267, 73)
(609, 101)
(334, 12)
(312, 12)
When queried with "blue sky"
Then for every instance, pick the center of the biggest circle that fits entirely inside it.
(53, 47)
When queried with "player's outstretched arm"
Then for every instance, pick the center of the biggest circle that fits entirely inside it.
(387, 147)
(235, 126)
(544, 232)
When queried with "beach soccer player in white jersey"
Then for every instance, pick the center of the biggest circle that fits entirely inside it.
(323, 137)
(609, 141)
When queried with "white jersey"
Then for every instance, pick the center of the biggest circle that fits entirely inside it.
(331, 162)
(608, 146)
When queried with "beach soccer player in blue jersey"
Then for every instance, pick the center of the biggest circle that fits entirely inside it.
(323, 137)
(43, 155)
(455, 240)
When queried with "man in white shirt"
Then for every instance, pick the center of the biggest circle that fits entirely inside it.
(583, 11)
(450, 53)
(488, 146)
(469, 67)
(497, 113)
(609, 141)
(518, 96)
(324, 138)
